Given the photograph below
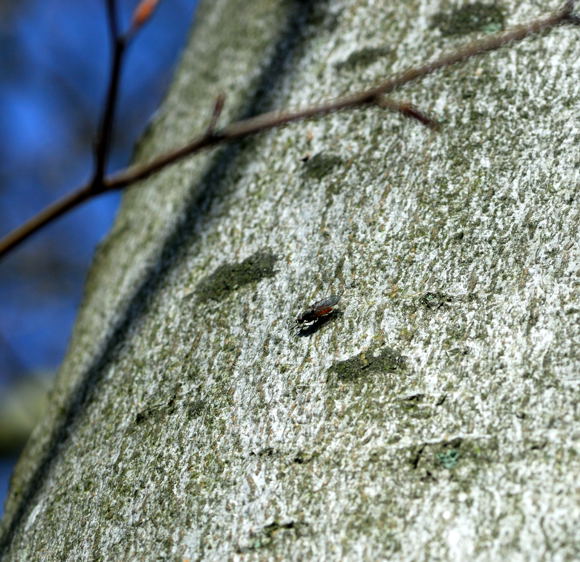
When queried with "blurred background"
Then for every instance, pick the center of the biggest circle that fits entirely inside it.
(54, 64)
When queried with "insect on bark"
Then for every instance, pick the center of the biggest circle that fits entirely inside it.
(316, 315)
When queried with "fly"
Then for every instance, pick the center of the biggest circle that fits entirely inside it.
(316, 315)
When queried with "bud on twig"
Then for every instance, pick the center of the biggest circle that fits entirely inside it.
(217, 111)
(142, 13)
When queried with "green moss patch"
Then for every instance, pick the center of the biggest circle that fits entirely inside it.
(196, 409)
(230, 277)
(475, 16)
(156, 412)
(449, 458)
(448, 455)
(321, 165)
(369, 362)
(363, 57)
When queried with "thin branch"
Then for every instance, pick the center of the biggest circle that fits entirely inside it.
(274, 119)
(104, 136)
(212, 137)
(46, 216)
(112, 19)
(408, 110)
(218, 107)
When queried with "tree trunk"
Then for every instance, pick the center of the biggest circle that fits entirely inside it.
(434, 416)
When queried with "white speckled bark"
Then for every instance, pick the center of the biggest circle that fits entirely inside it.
(436, 418)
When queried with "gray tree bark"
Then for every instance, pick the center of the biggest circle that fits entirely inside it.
(436, 416)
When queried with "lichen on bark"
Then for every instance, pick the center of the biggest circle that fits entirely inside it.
(435, 417)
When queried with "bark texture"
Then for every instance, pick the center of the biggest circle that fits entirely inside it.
(434, 418)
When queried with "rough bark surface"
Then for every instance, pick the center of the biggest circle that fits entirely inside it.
(436, 417)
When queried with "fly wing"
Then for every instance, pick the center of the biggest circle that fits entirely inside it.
(328, 302)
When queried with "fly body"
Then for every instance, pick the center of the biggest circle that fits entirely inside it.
(317, 312)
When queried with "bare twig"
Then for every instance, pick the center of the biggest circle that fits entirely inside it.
(408, 110)
(103, 142)
(218, 107)
(119, 44)
(212, 137)
(142, 14)
(46, 216)
(274, 119)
